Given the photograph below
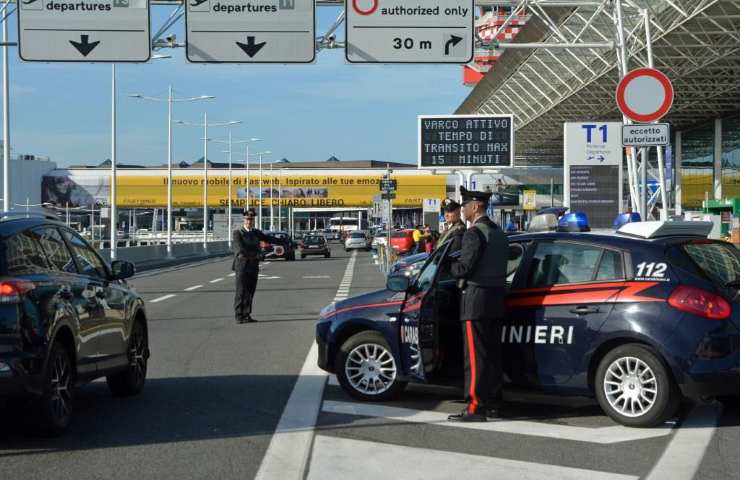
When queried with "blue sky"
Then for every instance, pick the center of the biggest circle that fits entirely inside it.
(302, 112)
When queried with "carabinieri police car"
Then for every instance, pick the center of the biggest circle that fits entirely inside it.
(639, 318)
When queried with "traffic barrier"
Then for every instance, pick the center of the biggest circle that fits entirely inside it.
(155, 256)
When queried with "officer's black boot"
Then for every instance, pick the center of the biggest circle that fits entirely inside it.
(466, 416)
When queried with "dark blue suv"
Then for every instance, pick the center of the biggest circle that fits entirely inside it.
(638, 319)
(66, 318)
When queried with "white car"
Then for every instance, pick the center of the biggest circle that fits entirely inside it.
(357, 240)
(381, 238)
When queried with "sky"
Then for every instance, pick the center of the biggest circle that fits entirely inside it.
(300, 112)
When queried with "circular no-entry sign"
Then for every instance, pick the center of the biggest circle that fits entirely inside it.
(645, 95)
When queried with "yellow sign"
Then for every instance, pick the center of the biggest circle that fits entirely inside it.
(529, 199)
(328, 191)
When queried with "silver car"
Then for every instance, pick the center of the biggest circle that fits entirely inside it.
(357, 240)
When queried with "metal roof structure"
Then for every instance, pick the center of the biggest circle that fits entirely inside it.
(564, 66)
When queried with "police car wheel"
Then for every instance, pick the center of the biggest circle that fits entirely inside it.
(634, 387)
(366, 369)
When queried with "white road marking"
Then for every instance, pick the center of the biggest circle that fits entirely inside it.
(165, 297)
(682, 457)
(216, 280)
(316, 276)
(290, 447)
(601, 435)
(194, 287)
(333, 382)
(232, 274)
(346, 458)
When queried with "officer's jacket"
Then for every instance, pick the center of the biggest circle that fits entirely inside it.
(483, 256)
(455, 232)
(246, 246)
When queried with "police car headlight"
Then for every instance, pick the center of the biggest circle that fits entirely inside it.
(328, 310)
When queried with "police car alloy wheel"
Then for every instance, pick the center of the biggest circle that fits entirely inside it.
(634, 387)
(366, 368)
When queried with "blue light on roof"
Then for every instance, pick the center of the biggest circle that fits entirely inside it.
(623, 218)
(573, 222)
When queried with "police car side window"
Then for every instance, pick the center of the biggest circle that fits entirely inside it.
(555, 263)
(610, 267)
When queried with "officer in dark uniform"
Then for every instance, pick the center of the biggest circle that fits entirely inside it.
(455, 226)
(481, 273)
(247, 254)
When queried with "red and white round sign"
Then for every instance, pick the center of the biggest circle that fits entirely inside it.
(645, 95)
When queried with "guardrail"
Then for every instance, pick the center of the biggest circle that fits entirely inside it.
(155, 256)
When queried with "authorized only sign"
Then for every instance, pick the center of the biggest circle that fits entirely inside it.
(466, 141)
(398, 31)
(647, 135)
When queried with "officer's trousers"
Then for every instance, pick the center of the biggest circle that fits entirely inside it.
(246, 284)
(483, 372)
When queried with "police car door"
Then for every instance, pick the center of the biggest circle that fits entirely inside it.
(556, 306)
(419, 319)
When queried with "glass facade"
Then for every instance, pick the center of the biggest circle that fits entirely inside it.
(731, 157)
(697, 173)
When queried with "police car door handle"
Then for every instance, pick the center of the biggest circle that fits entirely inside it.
(584, 310)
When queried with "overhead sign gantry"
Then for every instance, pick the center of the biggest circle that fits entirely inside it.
(84, 31)
(240, 31)
(396, 31)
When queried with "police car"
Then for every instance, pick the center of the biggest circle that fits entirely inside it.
(639, 319)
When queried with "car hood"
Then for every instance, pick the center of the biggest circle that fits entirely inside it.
(383, 300)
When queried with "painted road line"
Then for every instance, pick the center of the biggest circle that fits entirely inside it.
(335, 457)
(333, 382)
(216, 280)
(165, 297)
(316, 276)
(232, 274)
(601, 435)
(289, 451)
(194, 287)
(683, 455)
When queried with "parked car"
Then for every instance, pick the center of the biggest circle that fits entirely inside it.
(315, 245)
(285, 249)
(380, 238)
(638, 319)
(402, 241)
(409, 265)
(357, 241)
(55, 293)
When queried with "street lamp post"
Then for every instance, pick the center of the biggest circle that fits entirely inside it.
(259, 154)
(170, 100)
(205, 126)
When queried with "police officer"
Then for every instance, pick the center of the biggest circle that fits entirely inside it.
(481, 273)
(455, 227)
(247, 253)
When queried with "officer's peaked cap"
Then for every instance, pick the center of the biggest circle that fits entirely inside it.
(470, 195)
(249, 212)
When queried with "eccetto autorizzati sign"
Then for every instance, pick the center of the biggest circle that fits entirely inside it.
(330, 191)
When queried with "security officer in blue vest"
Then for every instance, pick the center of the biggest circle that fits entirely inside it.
(481, 273)
(247, 255)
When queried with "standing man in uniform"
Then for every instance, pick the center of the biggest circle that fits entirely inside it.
(481, 273)
(247, 253)
(455, 227)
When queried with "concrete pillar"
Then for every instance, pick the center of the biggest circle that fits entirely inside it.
(678, 162)
(718, 159)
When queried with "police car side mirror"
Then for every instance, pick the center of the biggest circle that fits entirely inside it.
(398, 283)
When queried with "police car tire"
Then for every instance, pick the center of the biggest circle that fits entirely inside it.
(668, 398)
(369, 338)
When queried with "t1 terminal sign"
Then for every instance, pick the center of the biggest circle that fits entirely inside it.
(84, 31)
(399, 31)
(466, 141)
(250, 31)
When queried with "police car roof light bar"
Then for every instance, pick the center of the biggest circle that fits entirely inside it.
(573, 222)
(665, 229)
(624, 218)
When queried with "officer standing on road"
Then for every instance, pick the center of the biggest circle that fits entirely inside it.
(246, 241)
(455, 226)
(481, 273)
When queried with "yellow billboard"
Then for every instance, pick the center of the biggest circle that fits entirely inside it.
(330, 191)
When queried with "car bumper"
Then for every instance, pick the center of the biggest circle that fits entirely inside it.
(713, 377)
(312, 251)
(15, 380)
(323, 362)
(355, 246)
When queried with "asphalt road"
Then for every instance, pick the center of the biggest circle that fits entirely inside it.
(217, 391)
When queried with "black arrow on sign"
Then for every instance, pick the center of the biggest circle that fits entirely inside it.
(454, 40)
(84, 46)
(251, 48)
